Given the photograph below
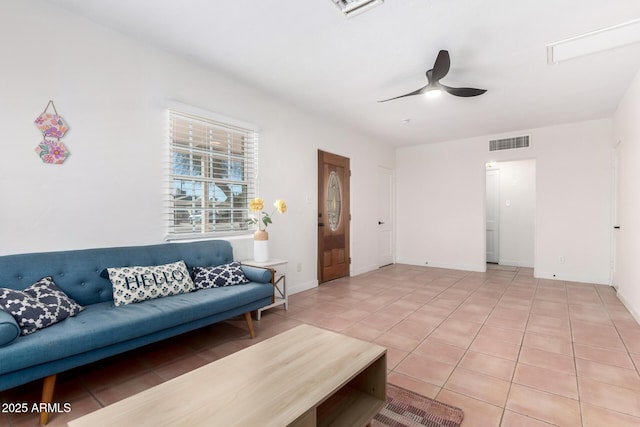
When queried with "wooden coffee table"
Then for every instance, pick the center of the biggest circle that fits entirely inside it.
(303, 377)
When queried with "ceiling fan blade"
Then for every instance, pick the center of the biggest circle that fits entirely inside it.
(415, 92)
(441, 66)
(465, 92)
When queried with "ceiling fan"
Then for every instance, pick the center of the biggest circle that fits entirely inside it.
(434, 87)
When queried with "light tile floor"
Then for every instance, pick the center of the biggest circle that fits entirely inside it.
(509, 349)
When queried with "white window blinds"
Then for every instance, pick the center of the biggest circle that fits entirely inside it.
(212, 176)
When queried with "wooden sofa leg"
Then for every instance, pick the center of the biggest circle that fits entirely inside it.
(47, 396)
(247, 318)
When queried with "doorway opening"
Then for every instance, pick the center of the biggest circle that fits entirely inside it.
(510, 207)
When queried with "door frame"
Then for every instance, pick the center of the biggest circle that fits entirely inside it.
(388, 223)
(345, 216)
(615, 212)
(496, 206)
(535, 207)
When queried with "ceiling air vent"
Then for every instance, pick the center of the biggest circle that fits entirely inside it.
(355, 7)
(509, 143)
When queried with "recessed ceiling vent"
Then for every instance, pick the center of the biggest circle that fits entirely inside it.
(509, 143)
(355, 7)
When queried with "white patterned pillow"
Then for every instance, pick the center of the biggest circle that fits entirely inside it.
(135, 284)
(38, 306)
(219, 276)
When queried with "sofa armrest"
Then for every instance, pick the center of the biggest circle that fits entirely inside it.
(9, 329)
(257, 274)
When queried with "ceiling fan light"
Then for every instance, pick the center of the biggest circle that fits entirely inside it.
(433, 93)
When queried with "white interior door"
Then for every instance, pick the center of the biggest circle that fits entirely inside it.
(493, 215)
(385, 216)
(615, 183)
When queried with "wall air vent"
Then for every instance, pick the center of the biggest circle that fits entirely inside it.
(355, 7)
(509, 143)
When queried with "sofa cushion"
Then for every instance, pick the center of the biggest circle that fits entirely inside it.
(38, 306)
(101, 325)
(9, 329)
(219, 276)
(135, 284)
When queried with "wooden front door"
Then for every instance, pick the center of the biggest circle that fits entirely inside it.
(333, 216)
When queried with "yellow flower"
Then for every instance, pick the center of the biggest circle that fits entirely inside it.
(281, 206)
(256, 205)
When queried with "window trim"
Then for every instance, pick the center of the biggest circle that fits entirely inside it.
(195, 111)
(186, 109)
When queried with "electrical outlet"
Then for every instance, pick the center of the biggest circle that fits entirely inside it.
(299, 267)
(561, 259)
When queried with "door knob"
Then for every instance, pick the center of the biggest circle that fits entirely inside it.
(380, 222)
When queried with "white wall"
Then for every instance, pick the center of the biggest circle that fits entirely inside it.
(440, 192)
(627, 134)
(111, 90)
(517, 212)
(440, 201)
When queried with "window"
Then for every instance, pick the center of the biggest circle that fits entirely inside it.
(212, 176)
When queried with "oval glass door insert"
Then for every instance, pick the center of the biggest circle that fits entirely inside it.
(333, 201)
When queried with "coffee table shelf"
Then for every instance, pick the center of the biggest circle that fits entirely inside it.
(349, 407)
(355, 403)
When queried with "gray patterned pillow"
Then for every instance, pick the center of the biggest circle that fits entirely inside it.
(38, 306)
(221, 275)
(136, 284)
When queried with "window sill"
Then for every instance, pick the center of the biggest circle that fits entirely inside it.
(244, 235)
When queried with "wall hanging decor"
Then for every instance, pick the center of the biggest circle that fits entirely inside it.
(52, 126)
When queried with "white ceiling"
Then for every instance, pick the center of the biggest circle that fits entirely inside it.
(308, 54)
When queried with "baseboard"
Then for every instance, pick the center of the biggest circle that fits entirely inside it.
(477, 268)
(515, 263)
(578, 279)
(364, 270)
(301, 287)
(629, 307)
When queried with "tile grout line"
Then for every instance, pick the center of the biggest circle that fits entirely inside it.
(515, 366)
(466, 350)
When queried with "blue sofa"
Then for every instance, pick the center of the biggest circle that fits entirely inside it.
(102, 329)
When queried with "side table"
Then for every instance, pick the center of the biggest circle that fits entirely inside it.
(278, 269)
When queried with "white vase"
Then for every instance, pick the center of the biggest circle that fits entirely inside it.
(261, 246)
